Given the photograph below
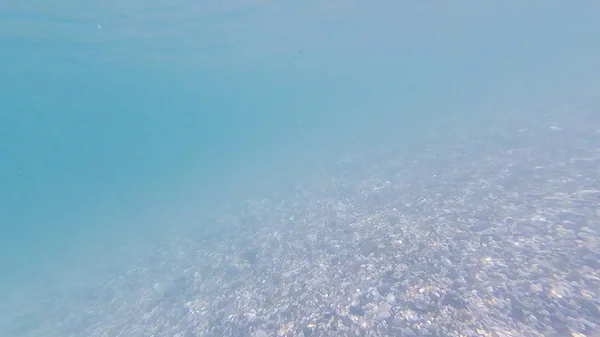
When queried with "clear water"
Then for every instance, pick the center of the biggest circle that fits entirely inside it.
(121, 121)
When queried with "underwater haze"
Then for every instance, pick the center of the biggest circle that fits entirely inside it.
(142, 142)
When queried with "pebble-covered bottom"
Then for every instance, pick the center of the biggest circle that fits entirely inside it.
(490, 232)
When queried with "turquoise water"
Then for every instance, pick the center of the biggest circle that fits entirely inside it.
(121, 121)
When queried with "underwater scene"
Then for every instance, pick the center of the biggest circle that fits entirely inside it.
(318, 168)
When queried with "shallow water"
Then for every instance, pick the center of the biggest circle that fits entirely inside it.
(125, 124)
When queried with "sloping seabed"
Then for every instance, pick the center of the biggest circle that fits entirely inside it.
(490, 231)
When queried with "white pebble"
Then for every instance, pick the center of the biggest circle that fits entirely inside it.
(260, 333)
(390, 298)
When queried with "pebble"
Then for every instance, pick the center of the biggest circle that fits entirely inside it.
(391, 299)
(260, 333)
(383, 311)
(357, 310)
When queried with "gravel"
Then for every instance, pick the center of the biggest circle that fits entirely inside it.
(491, 232)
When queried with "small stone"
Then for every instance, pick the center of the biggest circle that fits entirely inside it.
(419, 306)
(383, 311)
(346, 321)
(397, 322)
(357, 310)
(260, 333)
(383, 288)
(411, 316)
(383, 315)
(517, 313)
(390, 298)
(454, 300)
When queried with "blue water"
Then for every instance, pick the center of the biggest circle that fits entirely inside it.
(121, 121)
